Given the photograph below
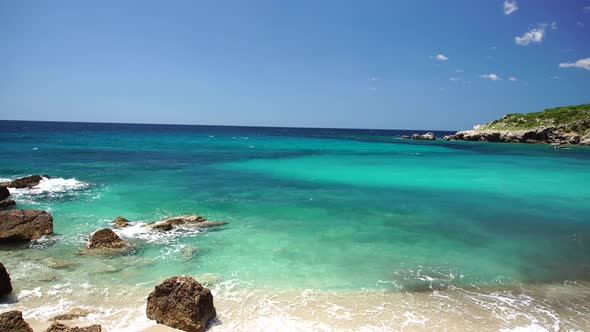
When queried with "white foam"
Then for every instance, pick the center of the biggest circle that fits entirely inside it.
(54, 187)
(529, 328)
(139, 230)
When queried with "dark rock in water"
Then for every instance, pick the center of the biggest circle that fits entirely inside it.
(188, 220)
(24, 225)
(12, 321)
(121, 222)
(26, 182)
(75, 313)
(59, 327)
(6, 203)
(5, 284)
(429, 136)
(107, 239)
(181, 303)
(4, 193)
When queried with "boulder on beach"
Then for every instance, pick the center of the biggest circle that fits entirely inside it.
(12, 321)
(121, 222)
(26, 182)
(59, 327)
(5, 284)
(6, 203)
(186, 220)
(181, 303)
(106, 239)
(24, 225)
(4, 193)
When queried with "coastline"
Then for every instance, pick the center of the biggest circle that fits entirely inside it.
(538, 307)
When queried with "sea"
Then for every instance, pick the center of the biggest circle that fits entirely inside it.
(327, 229)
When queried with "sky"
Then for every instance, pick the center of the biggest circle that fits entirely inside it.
(416, 64)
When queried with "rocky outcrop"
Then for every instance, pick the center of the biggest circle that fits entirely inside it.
(59, 327)
(187, 220)
(12, 321)
(6, 203)
(106, 239)
(553, 126)
(24, 225)
(181, 303)
(429, 136)
(121, 222)
(541, 135)
(5, 283)
(26, 182)
(4, 193)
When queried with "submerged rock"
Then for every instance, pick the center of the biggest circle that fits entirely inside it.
(24, 225)
(181, 303)
(59, 327)
(26, 182)
(6, 203)
(73, 314)
(12, 321)
(107, 239)
(121, 222)
(4, 193)
(186, 220)
(5, 284)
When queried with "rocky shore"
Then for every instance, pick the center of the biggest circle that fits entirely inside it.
(179, 302)
(564, 125)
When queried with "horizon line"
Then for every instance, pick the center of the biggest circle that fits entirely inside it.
(225, 125)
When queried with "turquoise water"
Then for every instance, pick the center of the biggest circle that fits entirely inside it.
(321, 209)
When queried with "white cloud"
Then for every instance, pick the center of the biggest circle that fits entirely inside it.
(512, 78)
(440, 57)
(535, 35)
(510, 7)
(582, 63)
(492, 77)
(553, 25)
(454, 79)
(579, 24)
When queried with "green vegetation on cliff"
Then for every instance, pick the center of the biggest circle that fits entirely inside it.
(570, 117)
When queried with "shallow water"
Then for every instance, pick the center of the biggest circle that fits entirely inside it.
(461, 234)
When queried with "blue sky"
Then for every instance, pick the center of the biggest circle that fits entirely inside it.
(355, 64)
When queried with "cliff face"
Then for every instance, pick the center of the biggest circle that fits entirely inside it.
(563, 125)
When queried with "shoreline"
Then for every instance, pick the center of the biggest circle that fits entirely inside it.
(556, 306)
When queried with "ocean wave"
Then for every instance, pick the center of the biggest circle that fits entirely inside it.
(47, 188)
(140, 231)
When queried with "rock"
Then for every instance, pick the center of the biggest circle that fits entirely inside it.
(121, 222)
(4, 193)
(73, 314)
(12, 321)
(429, 136)
(24, 225)
(181, 303)
(6, 203)
(58, 264)
(188, 220)
(26, 182)
(585, 140)
(59, 327)
(5, 284)
(107, 239)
